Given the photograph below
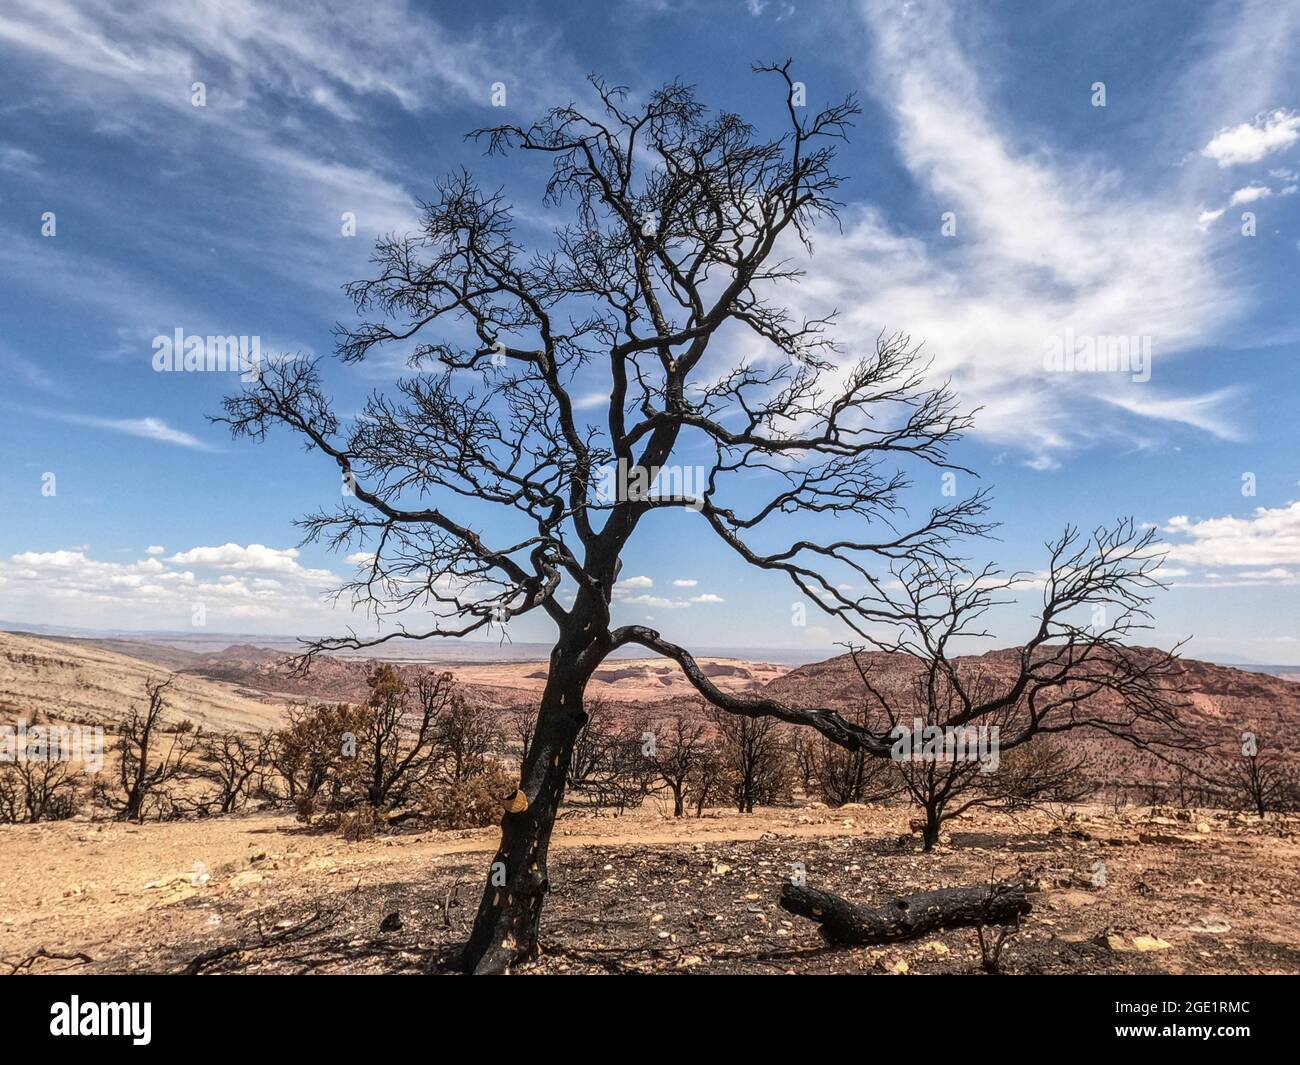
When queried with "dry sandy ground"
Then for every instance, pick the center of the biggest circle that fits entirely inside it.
(629, 680)
(75, 681)
(46, 680)
(645, 893)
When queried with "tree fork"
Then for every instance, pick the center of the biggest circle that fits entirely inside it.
(907, 917)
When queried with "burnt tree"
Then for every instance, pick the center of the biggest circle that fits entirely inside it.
(233, 760)
(1258, 780)
(756, 766)
(683, 750)
(974, 731)
(481, 491)
(145, 770)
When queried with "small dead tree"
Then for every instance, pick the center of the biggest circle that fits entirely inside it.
(706, 779)
(231, 762)
(1258, 779)
(755, 760)
(947, 770)
(683, 744)
(400, 733)
(959, 725)
(466, 735)
(37, 789)
(151, 758)
(842, 775)
(523, 724)
(608, 769)
(803, 756)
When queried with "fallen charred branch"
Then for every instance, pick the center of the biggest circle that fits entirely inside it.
(908, 917)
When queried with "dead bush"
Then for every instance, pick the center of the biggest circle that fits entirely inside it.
(359, 825)
(475, 802)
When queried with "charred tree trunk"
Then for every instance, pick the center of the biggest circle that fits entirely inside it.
(930, 834)
(679, 800)
(506, 927)
(909, 917)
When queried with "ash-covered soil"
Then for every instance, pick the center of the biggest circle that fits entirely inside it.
(1112, 891)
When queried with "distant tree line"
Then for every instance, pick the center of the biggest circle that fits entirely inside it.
(417, 747)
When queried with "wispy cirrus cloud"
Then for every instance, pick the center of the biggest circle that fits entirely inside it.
(290, 93)
(147, 428)
(1047, 242)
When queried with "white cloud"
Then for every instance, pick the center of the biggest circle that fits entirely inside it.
(591, 400)
(1252, 141)
(69, 587)
(657, 601)
(17, 160)
(1250, 194)
(634, 582)
(155, 549)
(1204, 411)
(149, 428)
(707, 597)
(681, 582)
(252, 557)
(290, 92)
(1270, 537)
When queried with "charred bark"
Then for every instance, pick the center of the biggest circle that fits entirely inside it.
(909, 917)
(506, 927)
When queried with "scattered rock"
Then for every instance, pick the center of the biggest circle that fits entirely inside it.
(1138, 944)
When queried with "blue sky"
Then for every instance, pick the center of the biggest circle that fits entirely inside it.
(1131, 219)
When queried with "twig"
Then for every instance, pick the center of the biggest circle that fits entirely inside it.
(31, 959)
(317, 922)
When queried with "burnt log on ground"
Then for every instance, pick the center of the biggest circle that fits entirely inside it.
(907, 917)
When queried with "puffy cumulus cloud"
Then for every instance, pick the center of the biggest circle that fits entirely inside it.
(1253, 549)
(235, 583)
(707, 597)
(630, 583)
(155, 549)
(254, 557)
(685, 582)
(1249, 194)
(1252, 141)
